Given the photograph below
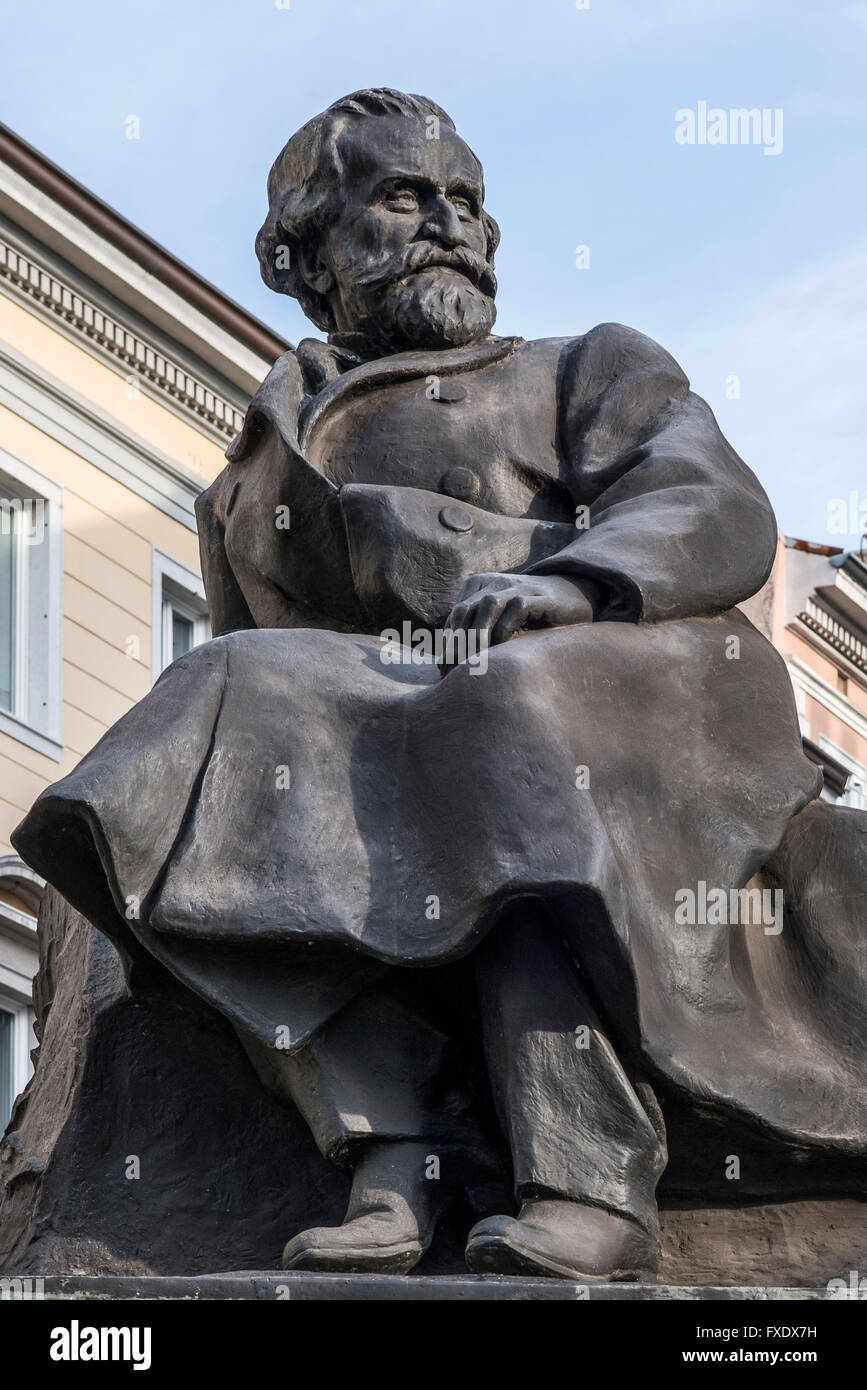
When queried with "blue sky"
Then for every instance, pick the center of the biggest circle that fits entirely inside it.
(744, 265)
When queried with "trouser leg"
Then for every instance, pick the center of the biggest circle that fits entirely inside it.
(379, 1087)
(573, 1119)
(382, 1069)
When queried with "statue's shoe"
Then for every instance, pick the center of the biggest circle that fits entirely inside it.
(390, 1220)
(562, 1240)
(377, 1243)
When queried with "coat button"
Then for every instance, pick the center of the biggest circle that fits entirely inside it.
(461, 483)
(456, 519)
(450, 391)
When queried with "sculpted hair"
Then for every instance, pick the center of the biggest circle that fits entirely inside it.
(304, 190)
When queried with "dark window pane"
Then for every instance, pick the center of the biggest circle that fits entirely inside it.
(182, 635)
(7, 1037)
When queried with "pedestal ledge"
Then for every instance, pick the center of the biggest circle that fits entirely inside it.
(270, 1285)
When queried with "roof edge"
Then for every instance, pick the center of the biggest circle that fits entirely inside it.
(811, 547)
(155, 259)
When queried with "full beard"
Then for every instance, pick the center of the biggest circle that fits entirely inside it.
(434, 308)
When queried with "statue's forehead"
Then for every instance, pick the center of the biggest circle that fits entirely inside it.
(377, 146)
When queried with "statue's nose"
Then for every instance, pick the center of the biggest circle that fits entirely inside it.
(443, 224)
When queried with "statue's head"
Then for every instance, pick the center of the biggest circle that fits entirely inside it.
(376, 226)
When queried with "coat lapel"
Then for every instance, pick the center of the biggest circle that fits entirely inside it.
(402, 366)
(283, 401)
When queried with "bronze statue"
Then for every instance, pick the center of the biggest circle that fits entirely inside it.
(480, 731)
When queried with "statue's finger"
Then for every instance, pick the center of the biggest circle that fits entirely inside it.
(515, 613)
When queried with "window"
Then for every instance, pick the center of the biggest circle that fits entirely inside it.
(20, 896)
(9, 587)
(855, 790)
(7, 1063)
(180, 617)
(17, 1040)
(30, 605)
(184, 626)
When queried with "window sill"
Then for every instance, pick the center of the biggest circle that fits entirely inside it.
(19, 925)
(25, 733)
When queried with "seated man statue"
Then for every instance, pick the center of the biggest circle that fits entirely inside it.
(457, 817)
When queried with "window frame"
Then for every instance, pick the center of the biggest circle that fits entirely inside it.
(855, 792)
(18, 654)
(175, 586)
(19, 963)
(23, 1042)
(36, 716)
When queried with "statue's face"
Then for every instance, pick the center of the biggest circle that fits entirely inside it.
(405, 259)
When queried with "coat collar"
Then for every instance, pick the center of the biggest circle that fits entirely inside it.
(400, 366)
(284, 400)
(276, 403)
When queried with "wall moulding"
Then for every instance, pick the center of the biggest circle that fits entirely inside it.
(170, 379)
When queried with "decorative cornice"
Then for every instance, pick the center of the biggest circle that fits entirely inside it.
(23, 881)
(17, 878)
(835, 633)
(76, 311)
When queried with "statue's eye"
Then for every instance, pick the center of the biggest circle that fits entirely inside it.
(462, 204)
(401, 200)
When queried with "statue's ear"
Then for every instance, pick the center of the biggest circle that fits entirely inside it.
(313, 270)
(493, 234)
(277, 256)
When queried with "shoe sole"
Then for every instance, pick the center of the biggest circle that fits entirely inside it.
(496, 1255)
(389, 1259)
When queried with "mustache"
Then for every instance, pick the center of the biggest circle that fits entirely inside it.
(424, 255)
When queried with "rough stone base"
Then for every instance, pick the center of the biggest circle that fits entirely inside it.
(226, 1175)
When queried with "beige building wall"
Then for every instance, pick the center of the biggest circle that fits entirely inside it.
(109, 534)
(123, 376)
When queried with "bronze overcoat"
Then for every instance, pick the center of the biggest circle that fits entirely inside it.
(285, 788)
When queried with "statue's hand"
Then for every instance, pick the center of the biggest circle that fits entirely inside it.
(501, 605)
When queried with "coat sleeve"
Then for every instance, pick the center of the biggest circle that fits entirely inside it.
(677, 525)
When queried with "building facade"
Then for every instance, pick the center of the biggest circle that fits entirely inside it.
(819, 624)
(123, 376)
